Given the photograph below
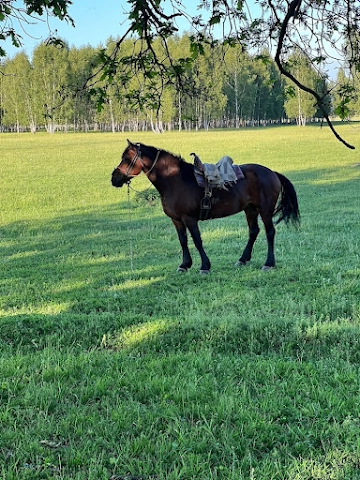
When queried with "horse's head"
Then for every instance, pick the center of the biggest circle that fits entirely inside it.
(130, 166)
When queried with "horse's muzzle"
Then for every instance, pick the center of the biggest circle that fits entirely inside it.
(118, 179)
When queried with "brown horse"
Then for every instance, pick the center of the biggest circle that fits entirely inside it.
(261, 192)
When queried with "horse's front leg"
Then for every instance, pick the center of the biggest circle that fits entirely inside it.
(186, 257)
(193, 227)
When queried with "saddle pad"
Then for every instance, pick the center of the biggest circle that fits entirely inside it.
(200, 178)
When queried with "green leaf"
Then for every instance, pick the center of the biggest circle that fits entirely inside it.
(215, 19)
(290, 91)
(342, 110)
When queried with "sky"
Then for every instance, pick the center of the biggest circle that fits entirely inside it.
(95, 21)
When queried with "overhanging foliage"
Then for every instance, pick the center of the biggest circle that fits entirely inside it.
(323, 30)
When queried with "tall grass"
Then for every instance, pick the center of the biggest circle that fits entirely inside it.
(115, 366)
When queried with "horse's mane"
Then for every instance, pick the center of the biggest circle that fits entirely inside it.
(152, 152)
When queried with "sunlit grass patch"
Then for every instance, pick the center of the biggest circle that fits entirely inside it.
(135, 283)
(135, 335)
(335, 176)
(41, 308)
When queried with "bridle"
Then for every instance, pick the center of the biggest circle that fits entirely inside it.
(143, 166)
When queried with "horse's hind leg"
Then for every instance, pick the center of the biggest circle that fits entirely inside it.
(186, 257)
(270, 237)
(252, 220)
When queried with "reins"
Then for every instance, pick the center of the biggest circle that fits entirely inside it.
(153, 165)
(132, 164)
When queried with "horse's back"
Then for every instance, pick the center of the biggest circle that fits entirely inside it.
(260, 176)
(257, 170)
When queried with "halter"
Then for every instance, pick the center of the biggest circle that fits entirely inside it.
(138, 157)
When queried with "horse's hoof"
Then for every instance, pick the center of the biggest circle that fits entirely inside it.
(182, 270)
(240, 263)
(266, 268)
(204, 272)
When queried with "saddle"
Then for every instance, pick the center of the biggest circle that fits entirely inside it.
(208, 176)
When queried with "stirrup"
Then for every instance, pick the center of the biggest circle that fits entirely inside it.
(205, 207)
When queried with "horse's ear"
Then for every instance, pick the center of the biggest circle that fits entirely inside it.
(129, 143)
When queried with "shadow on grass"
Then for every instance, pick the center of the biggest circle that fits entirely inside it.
(300, 339)
(87, 278)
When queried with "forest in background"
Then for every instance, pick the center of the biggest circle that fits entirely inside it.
(225, 88)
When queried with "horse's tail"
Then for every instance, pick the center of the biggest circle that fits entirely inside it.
(288, 206)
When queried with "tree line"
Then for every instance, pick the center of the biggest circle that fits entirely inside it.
(60, 88)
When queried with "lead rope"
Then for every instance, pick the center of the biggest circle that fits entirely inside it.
(131, 230)
(130, 210)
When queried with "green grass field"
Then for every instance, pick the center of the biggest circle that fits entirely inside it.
(115, 366)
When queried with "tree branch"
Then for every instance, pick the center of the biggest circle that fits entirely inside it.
(293, 10)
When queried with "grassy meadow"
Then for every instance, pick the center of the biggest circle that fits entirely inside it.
(114, 366)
